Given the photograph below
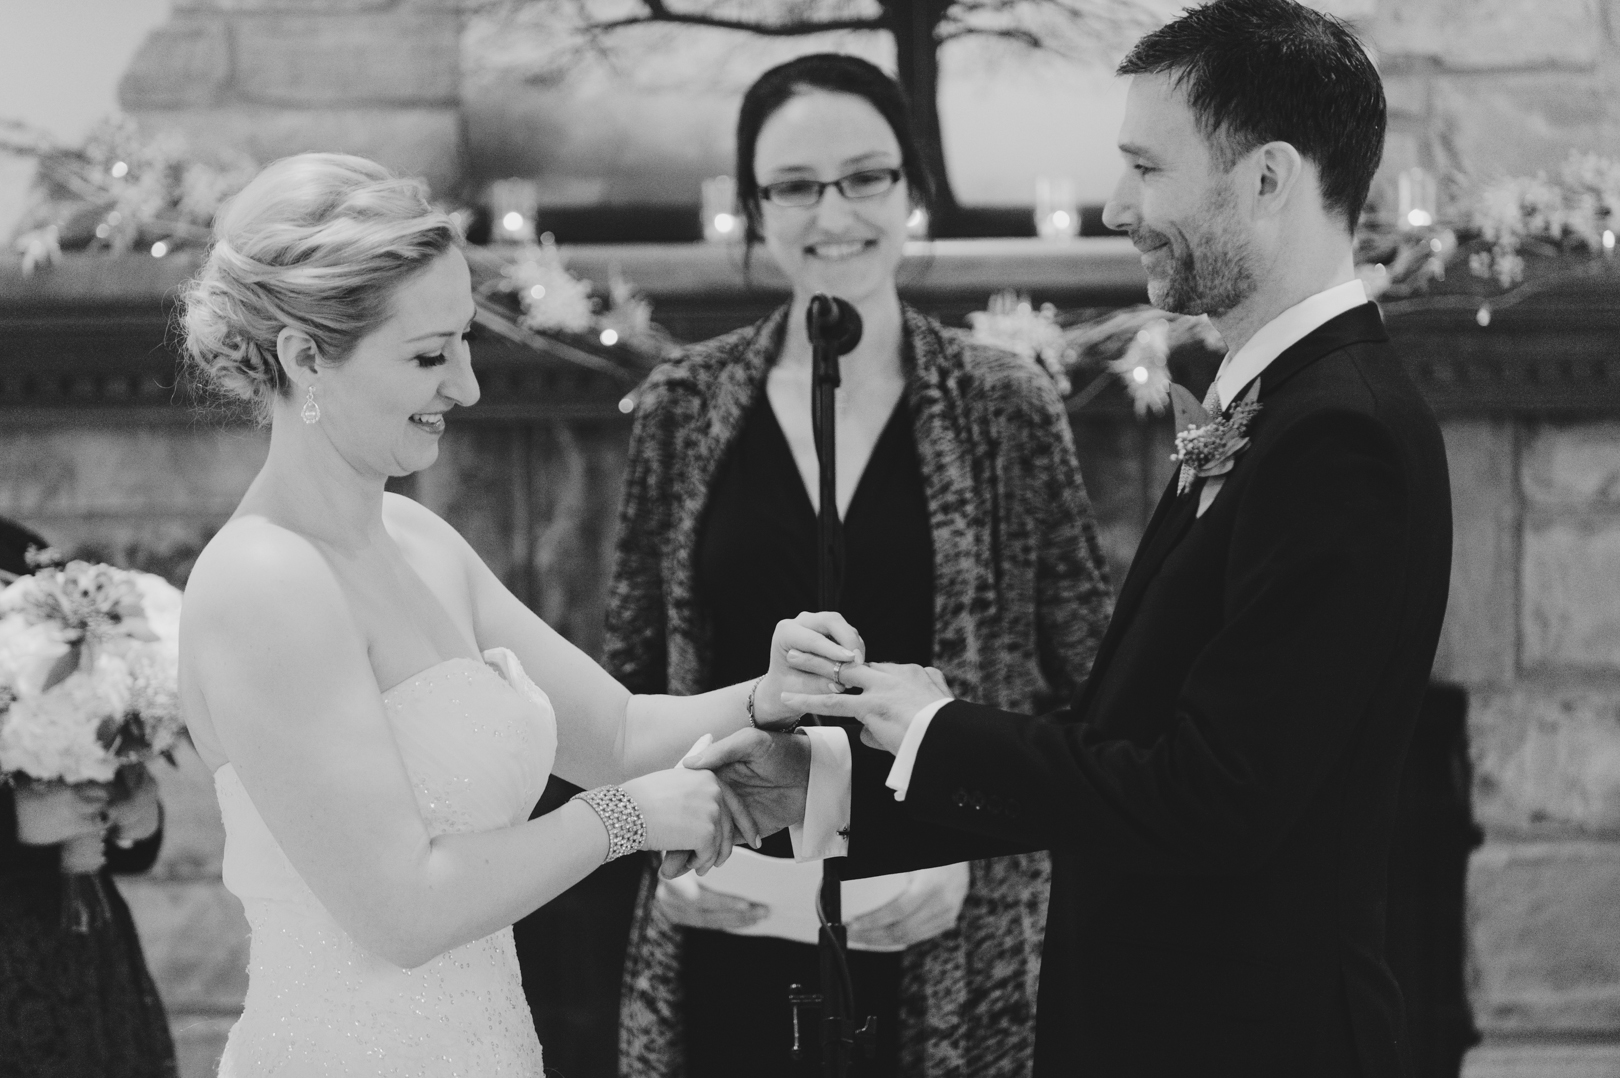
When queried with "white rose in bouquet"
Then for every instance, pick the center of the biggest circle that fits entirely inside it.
(53, 736)
(28, 653)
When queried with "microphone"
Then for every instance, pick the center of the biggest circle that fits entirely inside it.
(833, 323)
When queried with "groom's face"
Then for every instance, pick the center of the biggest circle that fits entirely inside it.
(1179, 205)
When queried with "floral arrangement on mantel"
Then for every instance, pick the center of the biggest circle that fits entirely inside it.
(120, 191)
(536, 289)
(1571, 215)
(1132, 345)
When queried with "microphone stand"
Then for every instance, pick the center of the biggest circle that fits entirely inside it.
(835, 329)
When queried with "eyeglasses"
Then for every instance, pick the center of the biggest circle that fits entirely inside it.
(867, 183)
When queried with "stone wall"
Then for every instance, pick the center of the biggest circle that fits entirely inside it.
(1497, 86)
(381, 78)
(1533, 632)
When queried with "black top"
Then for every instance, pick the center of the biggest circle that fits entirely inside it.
(756, 549)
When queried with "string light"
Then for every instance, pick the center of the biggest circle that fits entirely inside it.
(627, 405)
(159, 249)
(724, 223)
(610, 337)
(1485, 310)
(512, 222)
(1608, 241)
(537, 292)
(119, 170)
(1140, 374)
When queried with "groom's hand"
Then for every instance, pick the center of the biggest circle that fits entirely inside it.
(890, 697)
(765, 776)
(768, 773)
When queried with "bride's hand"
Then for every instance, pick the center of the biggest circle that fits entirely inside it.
(683, 810)
(825, 635)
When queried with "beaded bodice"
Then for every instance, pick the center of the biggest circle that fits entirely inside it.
(477, 739)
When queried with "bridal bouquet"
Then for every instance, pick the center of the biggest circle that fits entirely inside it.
(89, 658)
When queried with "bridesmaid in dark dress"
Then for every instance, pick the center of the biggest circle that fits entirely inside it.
(74, 1005)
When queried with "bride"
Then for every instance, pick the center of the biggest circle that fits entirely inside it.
(360, 681)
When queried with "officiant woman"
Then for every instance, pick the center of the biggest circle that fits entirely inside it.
(74, 1004)
(970, 547)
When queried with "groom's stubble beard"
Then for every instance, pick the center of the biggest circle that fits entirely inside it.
(1210, 272)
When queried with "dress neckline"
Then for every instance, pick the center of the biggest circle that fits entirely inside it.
(428, 672)
(425, 674)
(784, 453)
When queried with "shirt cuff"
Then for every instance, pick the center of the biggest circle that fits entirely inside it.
(905, 759)
(825, 829)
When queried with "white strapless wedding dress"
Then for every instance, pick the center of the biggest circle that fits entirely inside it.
(478, 740)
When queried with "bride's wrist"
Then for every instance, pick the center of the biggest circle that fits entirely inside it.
(761, 716)
(620, 816)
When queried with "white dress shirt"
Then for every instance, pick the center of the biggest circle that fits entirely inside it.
(831, 774)
(1240, 368)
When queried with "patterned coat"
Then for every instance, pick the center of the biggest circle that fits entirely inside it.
(1020, 602)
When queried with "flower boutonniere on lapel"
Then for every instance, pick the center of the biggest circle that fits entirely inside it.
(1207, 446)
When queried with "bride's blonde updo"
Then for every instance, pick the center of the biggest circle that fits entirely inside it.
(318, 243)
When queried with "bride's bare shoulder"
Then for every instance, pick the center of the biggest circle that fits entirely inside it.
(259, 569)
(425, 531)
(407, 515)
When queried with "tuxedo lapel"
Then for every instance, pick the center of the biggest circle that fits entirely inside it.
(1170, 521)
(1175, 515)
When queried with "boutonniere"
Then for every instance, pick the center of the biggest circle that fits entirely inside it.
(1208, 445)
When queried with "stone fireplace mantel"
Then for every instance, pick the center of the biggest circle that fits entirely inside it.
(97, 332)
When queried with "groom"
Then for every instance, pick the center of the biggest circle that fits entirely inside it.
(1220, 795)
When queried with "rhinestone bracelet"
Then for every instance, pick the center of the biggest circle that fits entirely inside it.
(627, 831)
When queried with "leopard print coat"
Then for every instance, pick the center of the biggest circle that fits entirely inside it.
(1020, 603)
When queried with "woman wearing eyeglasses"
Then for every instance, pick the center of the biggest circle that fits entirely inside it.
(969, 546)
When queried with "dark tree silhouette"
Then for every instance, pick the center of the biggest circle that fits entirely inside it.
(919, 28)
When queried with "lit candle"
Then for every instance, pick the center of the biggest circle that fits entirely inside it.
(1056, 215)
(721, 221)
(512, 204)
(1417, 196)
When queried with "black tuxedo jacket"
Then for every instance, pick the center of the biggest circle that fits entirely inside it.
(1219, 797)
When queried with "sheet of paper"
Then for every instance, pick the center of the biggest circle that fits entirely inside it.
(789, 888)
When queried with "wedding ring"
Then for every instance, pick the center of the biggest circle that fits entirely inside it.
(838, 674)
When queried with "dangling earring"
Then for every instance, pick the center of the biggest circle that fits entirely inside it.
(310, 412)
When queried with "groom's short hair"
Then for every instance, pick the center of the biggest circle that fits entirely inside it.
(1259, 71)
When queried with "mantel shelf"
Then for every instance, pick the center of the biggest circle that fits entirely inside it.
(96, 332)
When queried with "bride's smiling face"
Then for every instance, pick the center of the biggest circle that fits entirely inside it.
(383, 409)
